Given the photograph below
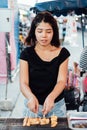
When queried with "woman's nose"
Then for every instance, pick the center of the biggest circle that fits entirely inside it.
(44, 34)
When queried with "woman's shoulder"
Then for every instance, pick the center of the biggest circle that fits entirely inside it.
(64, 54)
(65, 51)
(28, 49)
(26, 52)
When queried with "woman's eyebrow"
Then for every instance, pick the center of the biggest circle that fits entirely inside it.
(43, 29)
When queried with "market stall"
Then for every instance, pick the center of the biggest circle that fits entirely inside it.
(73, 121)
(9, 40)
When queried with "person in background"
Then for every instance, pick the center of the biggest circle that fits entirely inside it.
(43, 68)
(76, 68)
(64, 28)
(83, 61)
(83, 73)
(24, 26)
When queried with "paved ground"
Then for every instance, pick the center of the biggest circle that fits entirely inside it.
(14, 97)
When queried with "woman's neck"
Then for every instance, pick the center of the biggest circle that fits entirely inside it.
(43, 48)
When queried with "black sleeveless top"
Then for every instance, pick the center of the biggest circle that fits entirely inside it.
(43, 74)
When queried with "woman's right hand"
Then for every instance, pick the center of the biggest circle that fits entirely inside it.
(33, 104)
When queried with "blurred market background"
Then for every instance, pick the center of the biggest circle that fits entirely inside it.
(15, 20)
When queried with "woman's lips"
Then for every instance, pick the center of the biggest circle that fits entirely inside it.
(43, 41)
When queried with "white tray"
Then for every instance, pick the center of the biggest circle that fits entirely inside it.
(77, 118)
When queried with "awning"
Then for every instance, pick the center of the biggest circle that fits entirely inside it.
(58, 7)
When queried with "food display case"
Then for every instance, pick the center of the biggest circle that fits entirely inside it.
(77, 120)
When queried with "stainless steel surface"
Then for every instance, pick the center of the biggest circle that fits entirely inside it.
(17, 124)
(76, 120)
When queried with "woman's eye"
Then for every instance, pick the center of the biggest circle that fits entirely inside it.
(39, 31)
(48, 32)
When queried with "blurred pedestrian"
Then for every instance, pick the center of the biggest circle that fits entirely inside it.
(83, 60)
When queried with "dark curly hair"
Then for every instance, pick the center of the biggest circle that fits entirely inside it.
(47, 18)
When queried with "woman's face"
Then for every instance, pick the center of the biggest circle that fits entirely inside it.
(44, 33)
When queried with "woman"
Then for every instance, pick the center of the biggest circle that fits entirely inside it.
(43, 68)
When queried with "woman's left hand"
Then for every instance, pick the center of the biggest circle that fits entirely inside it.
(48, 104)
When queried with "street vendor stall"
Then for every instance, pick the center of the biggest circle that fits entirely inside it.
(17, 124)
(73, 121)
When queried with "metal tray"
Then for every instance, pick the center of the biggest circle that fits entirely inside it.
(17, 124)
(77, 120)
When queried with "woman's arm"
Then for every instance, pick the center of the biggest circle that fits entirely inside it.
(24, 86)
(59, 87)
(61, 80)
(24, 79)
